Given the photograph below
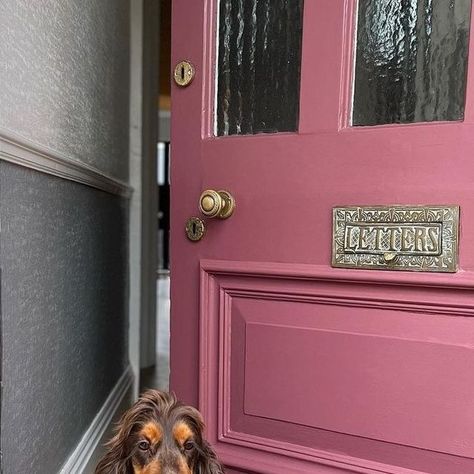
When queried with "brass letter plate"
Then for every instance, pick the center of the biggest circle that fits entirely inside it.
(416, 238)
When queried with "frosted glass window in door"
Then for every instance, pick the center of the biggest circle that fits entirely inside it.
(411, 61)
(258, 70)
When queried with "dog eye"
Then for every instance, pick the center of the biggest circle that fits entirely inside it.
(188, 445)
(144, 445)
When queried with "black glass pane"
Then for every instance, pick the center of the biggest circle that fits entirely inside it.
(259, 58)
(411, 61)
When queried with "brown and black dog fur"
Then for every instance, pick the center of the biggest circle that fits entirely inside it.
(159, 435)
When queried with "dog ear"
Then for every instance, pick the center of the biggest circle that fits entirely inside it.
(111, 464)
(208, 463)
(116, 459)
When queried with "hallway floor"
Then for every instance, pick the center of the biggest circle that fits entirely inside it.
(158, 376)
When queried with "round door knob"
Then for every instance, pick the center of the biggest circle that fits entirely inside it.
(220, 204)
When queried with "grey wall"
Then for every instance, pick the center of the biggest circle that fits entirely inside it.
(64, 72)
(64, 77)
(63, 253)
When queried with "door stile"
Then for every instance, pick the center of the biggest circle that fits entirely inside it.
(188, 24)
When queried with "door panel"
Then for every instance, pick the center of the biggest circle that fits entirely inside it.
(351, 389)
(297, 366)
(310, 365)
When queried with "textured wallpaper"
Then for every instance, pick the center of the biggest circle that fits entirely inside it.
(64, 72)
(64, 324)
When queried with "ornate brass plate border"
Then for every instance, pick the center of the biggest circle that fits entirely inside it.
(414, 238)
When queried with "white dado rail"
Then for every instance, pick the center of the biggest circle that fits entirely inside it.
(23, 152)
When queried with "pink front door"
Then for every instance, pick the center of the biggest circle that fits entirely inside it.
(296, 365)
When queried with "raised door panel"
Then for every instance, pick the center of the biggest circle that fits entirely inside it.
(334, 369)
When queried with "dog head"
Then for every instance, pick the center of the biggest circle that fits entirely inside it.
(159, 435)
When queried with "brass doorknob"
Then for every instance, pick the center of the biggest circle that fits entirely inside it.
(220, 204)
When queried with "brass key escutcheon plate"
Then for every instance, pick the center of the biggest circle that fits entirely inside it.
(183, 73)
(195, 229)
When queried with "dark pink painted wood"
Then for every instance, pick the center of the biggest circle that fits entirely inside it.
(348, 378)
(232, 302)
(377, 362)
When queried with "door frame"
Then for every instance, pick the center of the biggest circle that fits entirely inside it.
(143, 241)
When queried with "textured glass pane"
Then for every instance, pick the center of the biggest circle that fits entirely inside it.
(411, 61)
(259, 58)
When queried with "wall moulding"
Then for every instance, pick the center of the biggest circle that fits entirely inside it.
(22, 152)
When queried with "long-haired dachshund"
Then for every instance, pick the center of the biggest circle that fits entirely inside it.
(159, 435)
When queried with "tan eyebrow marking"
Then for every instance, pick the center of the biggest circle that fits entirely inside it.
(182, 432)
(152, 432)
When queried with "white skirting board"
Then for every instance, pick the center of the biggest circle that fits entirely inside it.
(80, 459)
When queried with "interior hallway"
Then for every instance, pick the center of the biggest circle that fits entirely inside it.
(158, 376)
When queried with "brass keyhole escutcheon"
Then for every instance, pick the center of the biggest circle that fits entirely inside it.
(183, 73)
(195, 229)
